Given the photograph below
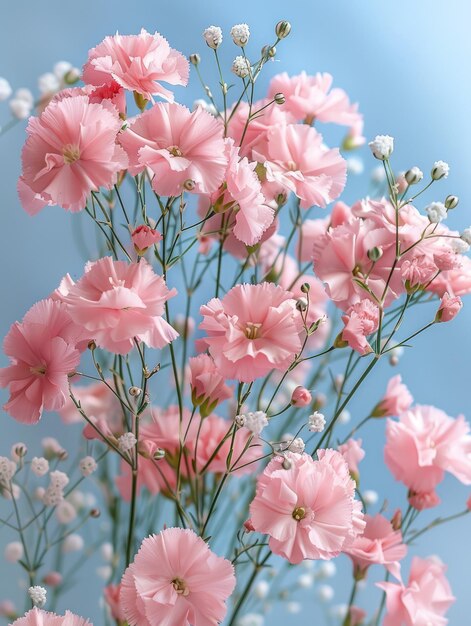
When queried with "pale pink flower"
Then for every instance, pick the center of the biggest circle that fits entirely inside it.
(53, 579)
(301, 396)
(189, 586)
(311, 98)
(308, 510)
(252, 330)
(396, 400)
(117, 302)
(97, 401)
(42, 351)
(357, 616)
(70, 151)
(379, 544)
(424, 444)
(137, 63)
(423, 601)
(456, 282)
(111, 594)
(341, 259)
(423, 500)
(246, 134)
(361, 320)
(208, 387)
(296, 160)
(353, 453)
(417, 271)
(310, 232)
(449, 308)
(38, 617)
(244, 453)
(240, 199)
(143, 237)
(184, 150)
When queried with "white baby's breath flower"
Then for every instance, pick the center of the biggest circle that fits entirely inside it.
(39, 466)
(240, 34)
(413, 176)
(261, 589)
(459, 246)
(48, 83)
(316, 423)
(5, 89)
(38, 595)
(382, 146)
(296, 445)
(13, 551)
(251, 619)
(325, 593)
(7, 470)
(327, 569)
(127, 442)
(466, 235)
(87, 466)
(254, 421)
(65, 512)
(293, 607)
(61, 68)
(213, 36)
(440, 170)
(436, 212)
(355, 166)
(20, 108)
(73, 543)
(241, 66)
(370, 497)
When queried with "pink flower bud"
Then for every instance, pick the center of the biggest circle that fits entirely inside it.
(449, 308)
(468, 503)
(396, 520)
(301, 396)
(421, 501)
(143, 237)
(52, 579)
(248, 525)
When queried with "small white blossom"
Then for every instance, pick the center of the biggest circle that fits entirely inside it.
(106, 551)
(48, 84)
(7, 469)
(87, 466)
(38, 595)
(73, 543)
(459, 246)
(316, 422)
(127, 442)
(382, 146)
(26, 95)
(414, 175)
(51, 447)
(104, 572)
(5, 89)
(327, 569)
(18, 451)
(38, 494)
(213, 36)
(370, 496)
(54, 494)
(59, 479)
(261, 589)
(297, 445)
(344, 417)
(436, 212)
(61, 68)
(13, 551)
(20, 108)
(293, 607)
(65, 512)
(240, 34)
(39, 466)
(440, 169)
(241, 66)
(355, 166)
(305, 581)
(251, 619)
(325, 593)
(253, 421)
(466, 235)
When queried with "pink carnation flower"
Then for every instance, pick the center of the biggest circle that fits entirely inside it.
(111, 594)
(396, 400)
(137, 63)
(70, 151)
(361, 320)
(417, 271)
(308, 510)
(42, 351)
(252, 330)
(311, 98)
(310, 232)
(424, 444)
(116, 302)
(379, 544)
(189, 586)
(240, 199)
(98, 402)
(353, 453)
(38, 617)
(183, 149)
(143, 237)
(449, 308)
(296, 160)
(208, 387)
(424, 600)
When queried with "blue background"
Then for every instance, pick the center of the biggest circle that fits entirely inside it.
(407, 63)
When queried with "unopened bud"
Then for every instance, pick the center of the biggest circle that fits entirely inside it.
(451, 202)
(95, 513)
(135, 391)
(282, 29)
(279, 98)
(440, 170)
(396, 520)
(189, 184)
(286, 464)
(91, 345)
(375, 254)
(140, 101)
(158, 454)
(301, 304)
(305, 287)
(195, 59)
(413, 176)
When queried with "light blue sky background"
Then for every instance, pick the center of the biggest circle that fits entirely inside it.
(407, 63)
